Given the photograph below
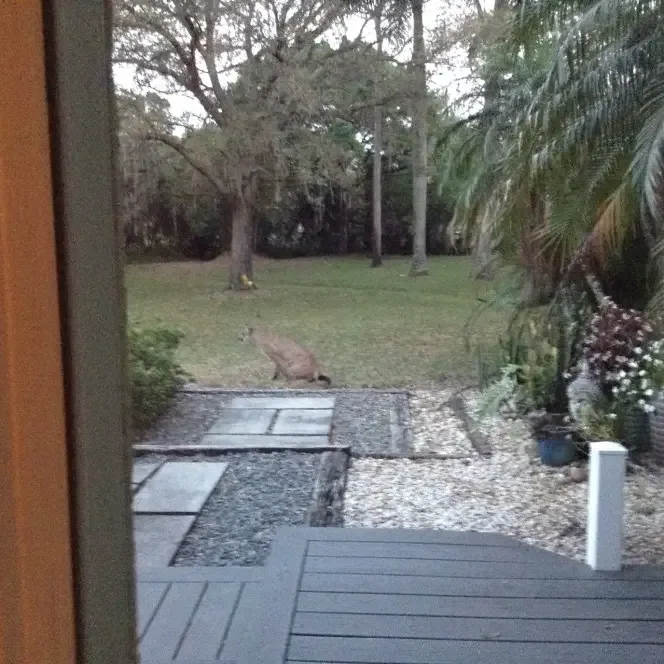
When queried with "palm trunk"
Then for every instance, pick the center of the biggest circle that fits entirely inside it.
(419, 262)
(377, 235)
(241, 265)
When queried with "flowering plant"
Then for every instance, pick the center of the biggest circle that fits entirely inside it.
(616, 337)
(620, 353)
(640, 378)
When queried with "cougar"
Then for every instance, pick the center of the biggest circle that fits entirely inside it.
(292, 361)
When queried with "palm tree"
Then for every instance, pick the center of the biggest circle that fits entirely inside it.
(578, 138)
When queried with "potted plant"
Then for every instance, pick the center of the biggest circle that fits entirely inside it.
(556, 436)
(535, 386)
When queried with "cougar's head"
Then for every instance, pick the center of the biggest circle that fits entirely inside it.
(246, 333)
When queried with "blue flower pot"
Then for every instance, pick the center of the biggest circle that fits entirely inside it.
(556, 449)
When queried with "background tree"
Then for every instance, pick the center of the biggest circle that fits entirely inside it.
(243, 63)
(420, 143)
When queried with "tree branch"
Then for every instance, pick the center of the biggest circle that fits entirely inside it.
(198, 164)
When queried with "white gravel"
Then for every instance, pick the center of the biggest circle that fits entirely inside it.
(435, 428)
(510, 492)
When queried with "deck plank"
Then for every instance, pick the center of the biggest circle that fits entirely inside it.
(209, 625)
(422, 651)
(260, 628)
(407, 535)
(431, 551)
(474, 629)
(434, 585)
(148, 598)
(169, 624)
(203, 573)
(481, 607)
(445, 568)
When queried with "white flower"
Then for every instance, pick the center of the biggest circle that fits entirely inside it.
(638, 350)
(621, 374)
(649, 408)
(644, 383)
(614, 389)
(649, 392)
(647, 358)
(633, 364)
(612, 416)
(658, 362)
(641, 402)
(642, 372)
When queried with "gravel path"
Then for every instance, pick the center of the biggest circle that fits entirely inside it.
(436, 429)
(510, 493)
(257, 493)
(361, 417)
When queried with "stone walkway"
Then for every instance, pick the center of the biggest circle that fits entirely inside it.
(167, 500)
(169, 496)
(273, 423)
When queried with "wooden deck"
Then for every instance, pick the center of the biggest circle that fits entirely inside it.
(363, 596)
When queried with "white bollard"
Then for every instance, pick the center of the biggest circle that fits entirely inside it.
(605, 506)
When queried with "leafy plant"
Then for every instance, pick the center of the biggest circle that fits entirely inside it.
(155, 375)
(501, 395)
(597, 422)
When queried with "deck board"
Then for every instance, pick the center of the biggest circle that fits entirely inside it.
(393, 584)
(162, 639)
(332, 650)
(148, 598)
(474, 629)
(209, 625)
(482, 607)
(444, 568)
(362, 596)
(430, 551)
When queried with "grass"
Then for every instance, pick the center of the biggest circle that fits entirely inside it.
(369, 327)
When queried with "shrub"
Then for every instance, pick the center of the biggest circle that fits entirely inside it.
(616, 338)
(154, 372)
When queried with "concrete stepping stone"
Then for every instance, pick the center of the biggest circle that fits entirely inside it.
(157, 538)
(141, 471)
(178, 487)
(282, 403)
(243, 421)
(303, 422)
(266, 442)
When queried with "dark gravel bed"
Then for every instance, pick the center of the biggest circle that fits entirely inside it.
(258, 492)
(190, 416)
(362, 418)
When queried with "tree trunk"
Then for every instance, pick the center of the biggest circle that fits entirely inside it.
(241, 265)
(419, 263)
(484, 245)
(377, 193)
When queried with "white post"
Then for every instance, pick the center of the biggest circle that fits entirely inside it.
(605, 506)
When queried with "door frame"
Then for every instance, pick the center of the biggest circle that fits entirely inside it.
(65, 477)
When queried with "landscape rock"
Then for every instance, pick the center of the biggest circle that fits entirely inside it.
(496, 494)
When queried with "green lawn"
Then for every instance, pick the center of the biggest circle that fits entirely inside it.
(369, 327)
